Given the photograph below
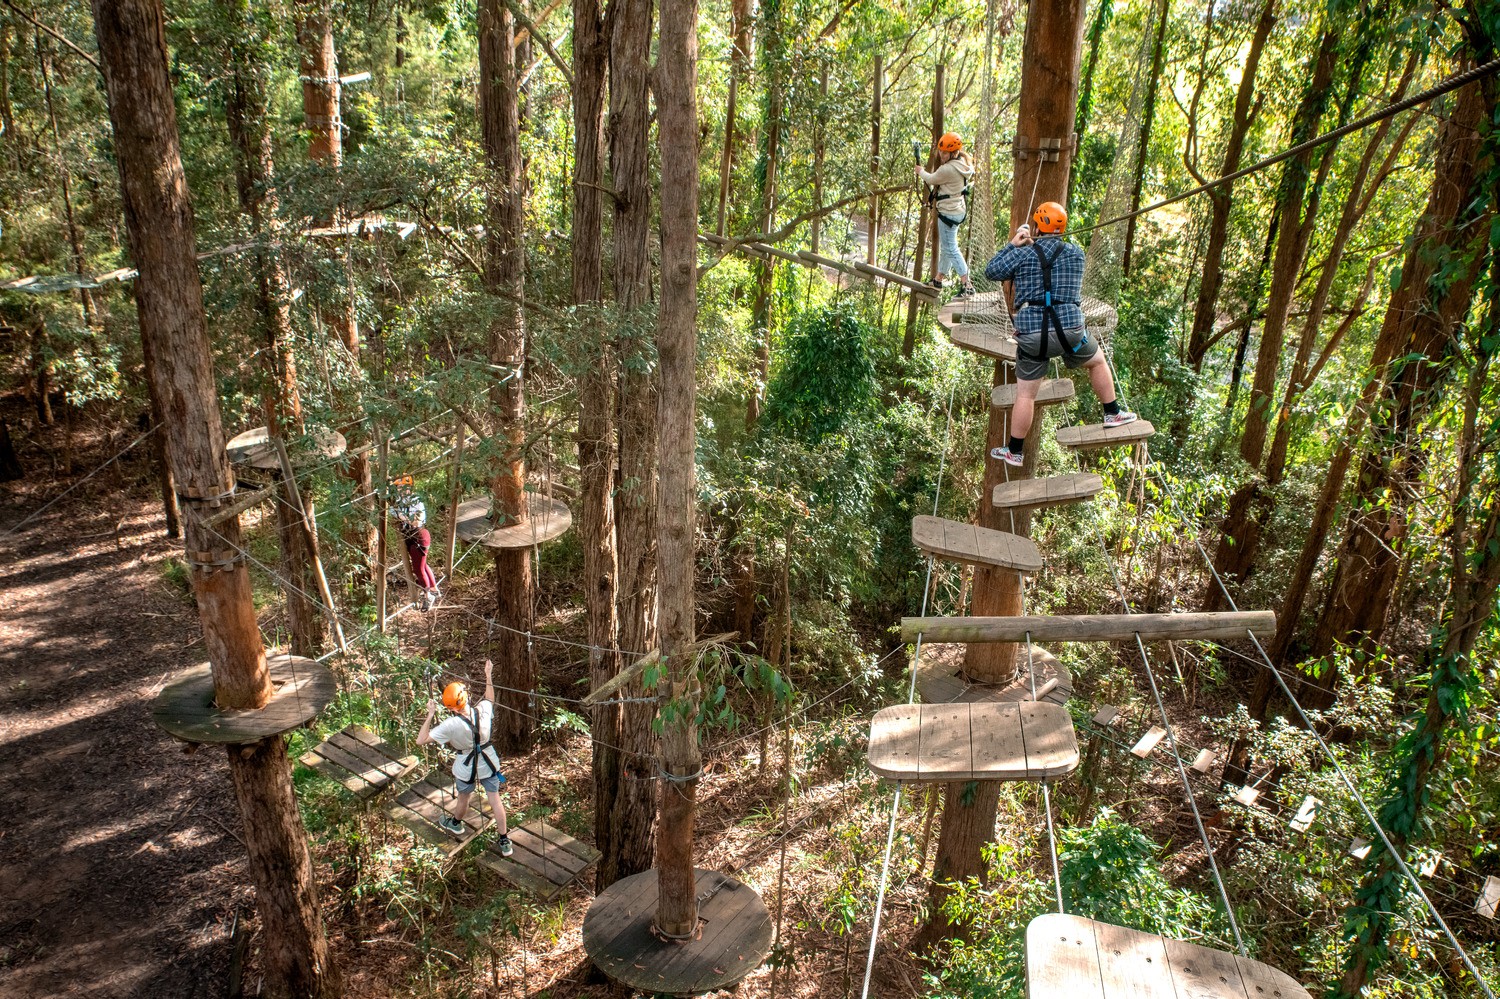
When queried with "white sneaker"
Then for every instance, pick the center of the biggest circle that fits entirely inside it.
(1004, 454)
(1119, 419)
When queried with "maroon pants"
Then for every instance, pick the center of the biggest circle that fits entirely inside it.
(416, 551)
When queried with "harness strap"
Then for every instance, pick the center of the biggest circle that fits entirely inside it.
(472, 760)
(1051, 322)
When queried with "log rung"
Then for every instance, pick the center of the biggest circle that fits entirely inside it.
(1219, 626)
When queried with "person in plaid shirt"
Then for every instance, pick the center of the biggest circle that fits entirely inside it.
(1048, 275)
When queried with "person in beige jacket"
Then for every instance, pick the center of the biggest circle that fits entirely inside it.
(948, 183)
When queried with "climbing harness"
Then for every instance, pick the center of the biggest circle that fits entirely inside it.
(471, 718)
(1050, 319)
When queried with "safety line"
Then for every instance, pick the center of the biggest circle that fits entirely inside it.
(1343, 775)
(911, 694)
(1046, 790)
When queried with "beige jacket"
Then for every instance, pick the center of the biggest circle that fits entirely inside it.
(950, 179)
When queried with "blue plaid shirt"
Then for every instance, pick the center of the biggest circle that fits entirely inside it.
(1019, 264)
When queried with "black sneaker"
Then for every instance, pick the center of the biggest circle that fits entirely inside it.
(450, 824)
(502, 844)
(964, 292)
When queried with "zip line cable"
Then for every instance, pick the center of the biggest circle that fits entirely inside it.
(1343, 775)
(1452, 83)
(911, 695)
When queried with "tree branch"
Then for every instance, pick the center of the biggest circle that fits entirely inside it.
(530, 25)
(85, 56)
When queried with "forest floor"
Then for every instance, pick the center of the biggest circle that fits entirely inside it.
(121, 868)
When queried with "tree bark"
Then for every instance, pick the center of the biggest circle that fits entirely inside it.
(596, 418)
(739, 67)
(504, 263)
(1048, 102)
(773, 68)
(246, 113)
(632, 842)
(1220, 198)
(1424, 313)
(169, 302)
(675, 82)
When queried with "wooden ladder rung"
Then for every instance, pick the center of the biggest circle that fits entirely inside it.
(962, 542)
(1051, 392)
(1051, 490)
(1216, 626)
(1093, 436)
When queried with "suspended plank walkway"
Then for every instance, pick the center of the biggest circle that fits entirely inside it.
(1093, 436)
(420, 806)
(544, 861)
(852, 268)
(960, 542)
(359, 760)
(735, 938)
(1051, 392)
(1218, 626)
(1053, 490)
(958, 742)
(546, 520)
(1069, 957)
(301, 689)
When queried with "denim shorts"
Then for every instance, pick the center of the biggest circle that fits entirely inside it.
(490, 783)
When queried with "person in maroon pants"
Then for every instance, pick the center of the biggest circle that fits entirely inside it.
(411, 516)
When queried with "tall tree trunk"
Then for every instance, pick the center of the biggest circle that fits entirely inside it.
(169, 300)
(1048, 102)
(504, 264)
(596, 418)
(773, 68)
(877, 88)
(75, 238)
(1148, 117)
(632, 844)
(739, 67)
(1426, 307)
(820, 149)
(1221, 198)
(322, 100)
(926, 218)
(676, 81)
(246, 113)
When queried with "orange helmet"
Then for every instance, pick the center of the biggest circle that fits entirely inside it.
(950, 142)
(1050, 217)
(456, 696)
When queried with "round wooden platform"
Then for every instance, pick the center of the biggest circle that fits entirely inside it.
(185, 707)
(549, 519)
(941, 680)
(254, 448)
(736, 936)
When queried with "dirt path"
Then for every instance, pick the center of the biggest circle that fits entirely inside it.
(118, 872)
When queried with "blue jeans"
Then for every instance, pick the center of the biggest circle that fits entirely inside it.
(950, 258)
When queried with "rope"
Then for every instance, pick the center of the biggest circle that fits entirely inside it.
(39, 510)
(1452, 83)
(1046, 792)
(1307, 721)
(911, 694)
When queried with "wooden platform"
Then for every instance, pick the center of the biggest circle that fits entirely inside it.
(255, 449)
(736, 936)
(948, 742)
(419, 807)
(548, 519)
(960, 542)
(987, 340)
(1069, 957)
(1218, 626)
(941, 679)
(1051, 392)
(1093, 436)
(1052, 490)
(545, 860)
(359, 760)
(185, 707)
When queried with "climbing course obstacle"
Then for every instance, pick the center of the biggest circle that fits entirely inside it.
(962, 741)
(544, 860)
(256, 450)
(365, 764)
(547, 519)
(185, 708)
(420, 807)
(733, 938)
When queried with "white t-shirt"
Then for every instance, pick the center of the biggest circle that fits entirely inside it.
(454, 733)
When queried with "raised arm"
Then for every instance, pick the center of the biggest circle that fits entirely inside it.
(424, 737)
(489, 681)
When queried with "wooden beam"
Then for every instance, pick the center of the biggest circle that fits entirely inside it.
(1220, 626)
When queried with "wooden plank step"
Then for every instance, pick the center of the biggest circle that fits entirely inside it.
(545, 859)
(986, 340)
(1052, 490)
(1218, 626)
(1030, 741)
(961, 542)
(1093, 436)
(419, 808)
(1070, 957)
(1052, 391)
(1149, 741)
